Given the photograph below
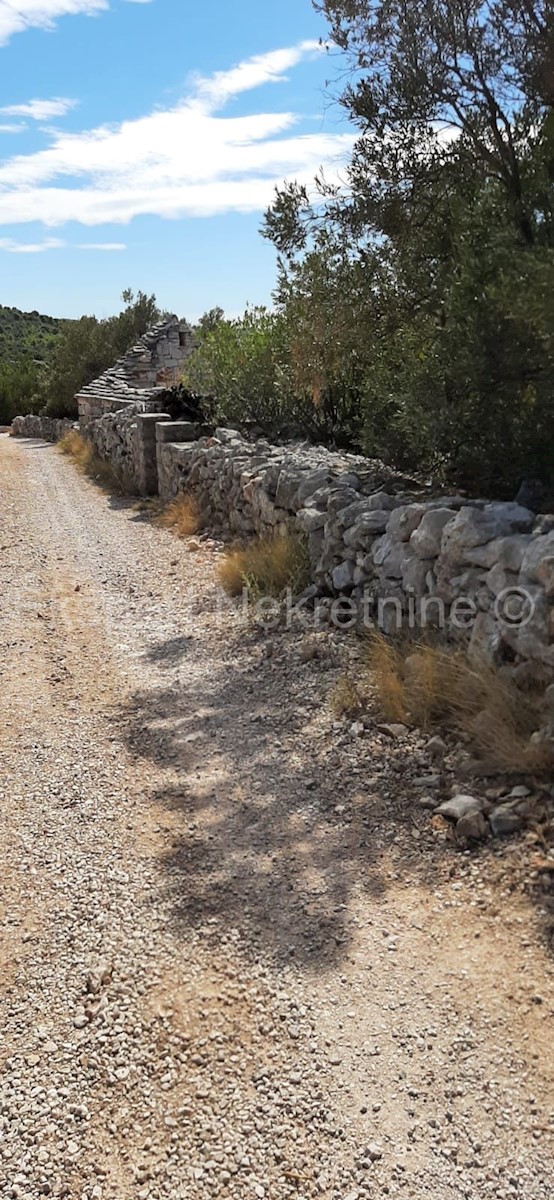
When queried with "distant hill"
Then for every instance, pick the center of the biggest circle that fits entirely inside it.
(27, 335)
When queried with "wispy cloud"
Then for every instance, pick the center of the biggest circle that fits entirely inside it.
(13, 128)
(215, 90)
(185, 161)
(40, 110)
(18, 15)
(13, 247)
(107, 246)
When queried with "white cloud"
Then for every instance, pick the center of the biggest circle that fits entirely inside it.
(13, 247)
(215, 90)
(108, 246)
(40, 110)
(18, 15)
(186, 161)
(13, 128)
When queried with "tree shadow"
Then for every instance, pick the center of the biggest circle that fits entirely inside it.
(280, 819)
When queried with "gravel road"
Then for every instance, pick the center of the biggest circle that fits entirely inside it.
(236, 959)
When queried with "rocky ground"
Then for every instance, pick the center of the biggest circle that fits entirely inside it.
(239, 958)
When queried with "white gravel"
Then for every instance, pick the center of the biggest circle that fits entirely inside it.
(237, 959)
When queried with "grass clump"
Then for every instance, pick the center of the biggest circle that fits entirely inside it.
(83, 454)
(181, 516)
(429, 686)
(75, 447)
(346, 699)
(267, 567)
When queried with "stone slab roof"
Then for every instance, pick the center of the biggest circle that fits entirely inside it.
(146, 370)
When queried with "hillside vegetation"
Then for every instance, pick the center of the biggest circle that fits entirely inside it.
(45, 362)
(27, 335)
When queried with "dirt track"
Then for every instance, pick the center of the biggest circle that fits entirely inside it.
(235, 959)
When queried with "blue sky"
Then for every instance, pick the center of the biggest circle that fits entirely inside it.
(141, 140)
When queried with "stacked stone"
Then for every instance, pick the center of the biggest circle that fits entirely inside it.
(371, 531)
(126, 439)
(141, 376)
(49, 429)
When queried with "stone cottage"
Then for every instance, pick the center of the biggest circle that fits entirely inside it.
(142, 376)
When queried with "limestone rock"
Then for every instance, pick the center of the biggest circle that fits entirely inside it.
(473, 527)
(506, 819)
(343, 576)
(472, 827)
(404, 521)
(538, 561)
(460, 806)
(426, 539)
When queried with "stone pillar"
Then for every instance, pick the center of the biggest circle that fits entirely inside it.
(144, 452)
(172, 434)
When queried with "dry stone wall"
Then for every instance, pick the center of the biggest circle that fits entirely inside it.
(483, 570)
(126, 439)
(49, 429)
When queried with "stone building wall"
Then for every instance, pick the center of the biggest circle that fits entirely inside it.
(141, 376)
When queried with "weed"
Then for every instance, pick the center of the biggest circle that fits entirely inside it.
(267, 567)
(346, 699)
(89, 462)
(429, 685)
(181, 515)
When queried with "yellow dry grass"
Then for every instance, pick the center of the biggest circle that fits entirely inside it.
(346, 700)
(181, 516)
(75, 447)
(266, 567)
(83, 454)
(428, 686)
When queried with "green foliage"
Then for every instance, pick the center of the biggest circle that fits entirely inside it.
(44, 362)
(285, 372)
(19, 383)
(88, 347)
(244, 365)
(27, 335)
(27, 341)
(421, 294)
(467, 394)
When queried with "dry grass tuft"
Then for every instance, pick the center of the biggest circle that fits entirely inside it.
(75, 447)
(89, 462)
(181, 515)
(346, 699)
(386, 661)
(267, 567)
(428, 686)
(231, 572)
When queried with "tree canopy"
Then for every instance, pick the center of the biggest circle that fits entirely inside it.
(430, 266)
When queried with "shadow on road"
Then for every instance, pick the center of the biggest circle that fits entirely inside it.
(280, 820)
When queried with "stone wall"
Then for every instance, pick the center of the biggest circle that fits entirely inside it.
(127, 440)
(484, 569)
(49, 429)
